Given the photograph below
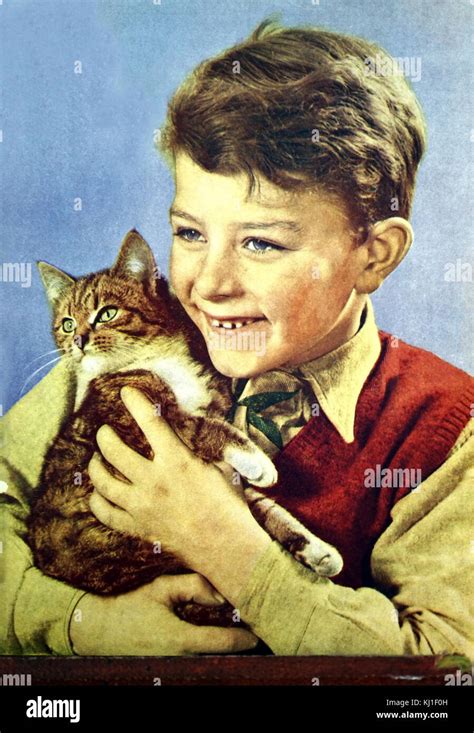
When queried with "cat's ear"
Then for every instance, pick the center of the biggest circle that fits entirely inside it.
(135, 259)
(55, 281)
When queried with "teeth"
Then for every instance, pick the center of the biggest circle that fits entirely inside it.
(230, 324)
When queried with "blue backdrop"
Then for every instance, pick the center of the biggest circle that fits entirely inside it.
(69, 135)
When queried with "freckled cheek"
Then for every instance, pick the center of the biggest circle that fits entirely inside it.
(284, 309)
(299, 313)
(328, 278)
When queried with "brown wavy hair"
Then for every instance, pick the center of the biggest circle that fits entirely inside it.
(301, 107)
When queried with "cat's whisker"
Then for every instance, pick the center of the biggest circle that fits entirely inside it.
(38, 370)
(46, 353)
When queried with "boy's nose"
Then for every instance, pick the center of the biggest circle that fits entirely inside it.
(217, 278)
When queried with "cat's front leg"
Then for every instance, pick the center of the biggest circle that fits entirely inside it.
(305, 547)
(214, 440)
(251, 462)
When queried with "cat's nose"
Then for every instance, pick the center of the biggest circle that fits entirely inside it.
(81, 340)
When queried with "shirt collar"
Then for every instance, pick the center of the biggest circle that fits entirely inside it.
(337, 378)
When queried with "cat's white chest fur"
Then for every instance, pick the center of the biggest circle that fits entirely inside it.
(184, 376)
(190, 388)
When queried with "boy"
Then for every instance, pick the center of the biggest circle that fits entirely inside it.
(374, 445)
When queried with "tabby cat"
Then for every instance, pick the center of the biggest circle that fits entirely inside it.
(124, 326)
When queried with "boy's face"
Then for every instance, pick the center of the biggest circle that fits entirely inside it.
(285, 261)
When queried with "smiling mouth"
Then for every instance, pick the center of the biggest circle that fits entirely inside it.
(230, 323)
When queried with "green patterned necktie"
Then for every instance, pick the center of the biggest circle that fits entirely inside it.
(255, 404)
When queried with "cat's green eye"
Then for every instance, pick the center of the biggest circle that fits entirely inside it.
(106, 314)
(68, 325)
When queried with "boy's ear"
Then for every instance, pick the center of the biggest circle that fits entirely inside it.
(55, 281)
(135, 259)
(386, 245)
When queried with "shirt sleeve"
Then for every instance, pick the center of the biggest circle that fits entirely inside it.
(423, 571)
(35, 610)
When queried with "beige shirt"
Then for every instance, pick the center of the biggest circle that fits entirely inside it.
(422, 565)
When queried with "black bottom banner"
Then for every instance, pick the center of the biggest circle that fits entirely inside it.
(142, 708)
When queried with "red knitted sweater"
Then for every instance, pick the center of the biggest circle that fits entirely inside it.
(410, 412)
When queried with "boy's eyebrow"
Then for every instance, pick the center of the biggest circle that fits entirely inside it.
(283, 223)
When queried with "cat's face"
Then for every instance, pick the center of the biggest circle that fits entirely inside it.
(101, 320)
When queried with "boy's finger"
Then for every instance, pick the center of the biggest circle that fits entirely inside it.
(159, 434)
(107, 485)
(216, 640)
(109, 514)
(172, 589)
(226, 469)
(130, 463)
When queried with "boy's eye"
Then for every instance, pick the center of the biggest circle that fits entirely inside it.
(190, 235)
(257, 246)
(68, 325)
(106, 314)
(260, 245)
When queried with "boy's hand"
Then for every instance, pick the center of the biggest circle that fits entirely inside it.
(142, 622)
(176, 498)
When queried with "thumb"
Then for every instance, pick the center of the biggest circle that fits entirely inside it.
(173, 589)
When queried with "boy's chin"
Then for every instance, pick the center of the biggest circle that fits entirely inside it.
(238, 366)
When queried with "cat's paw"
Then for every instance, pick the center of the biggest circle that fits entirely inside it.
(317, 555)
(252, 464)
